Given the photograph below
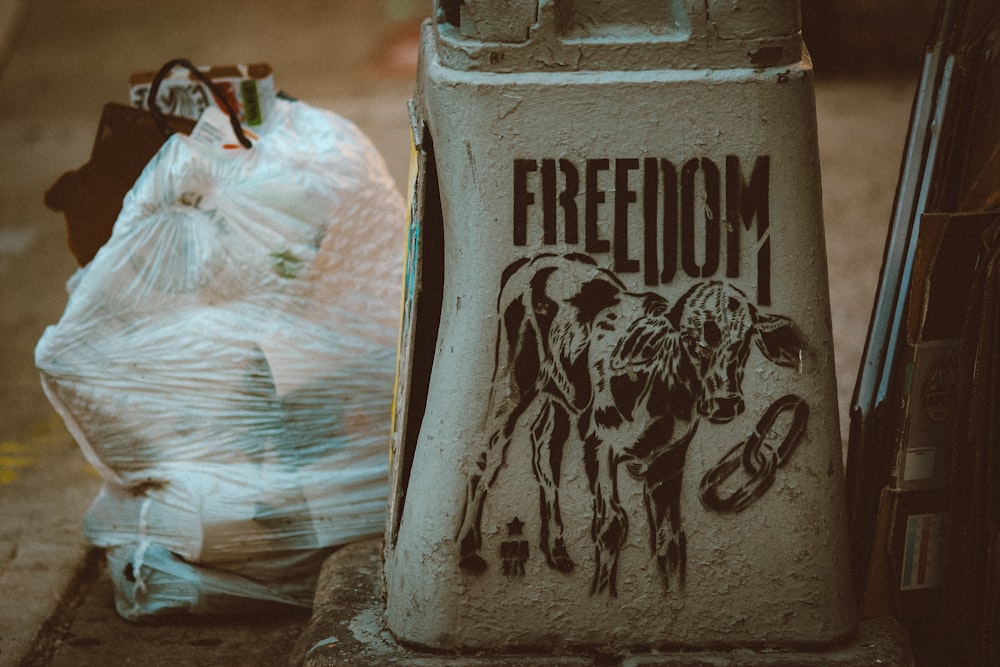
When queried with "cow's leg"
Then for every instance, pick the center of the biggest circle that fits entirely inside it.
(490, 460)
(549, 434)
(609, 526)
(662, 495)
(517, 377)
(470, 539)
(667, 539)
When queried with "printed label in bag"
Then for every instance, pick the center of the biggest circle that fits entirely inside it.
(214, 130)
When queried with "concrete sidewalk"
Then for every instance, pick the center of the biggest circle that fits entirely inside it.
(346, 628)
(61, 61)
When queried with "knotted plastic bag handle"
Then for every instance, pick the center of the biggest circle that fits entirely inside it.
(161, 122)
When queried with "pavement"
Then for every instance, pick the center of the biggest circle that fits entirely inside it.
(346, 628)
(60, 62)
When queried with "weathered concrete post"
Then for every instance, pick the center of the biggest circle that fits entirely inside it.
(617, 416)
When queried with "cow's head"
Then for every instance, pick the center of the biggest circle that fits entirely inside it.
(716, 323)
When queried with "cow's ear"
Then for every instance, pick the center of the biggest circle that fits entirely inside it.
(779, 339)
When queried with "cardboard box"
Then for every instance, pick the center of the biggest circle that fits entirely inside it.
(906, 575)
(948, 251)
(930, 397)
(90, 197)
(907, 571)
(249, 88)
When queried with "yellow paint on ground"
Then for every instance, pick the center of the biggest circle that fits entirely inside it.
(16, 461)
(49, 432)
(13, 456)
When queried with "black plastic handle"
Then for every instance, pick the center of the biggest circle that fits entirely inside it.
(161, 122)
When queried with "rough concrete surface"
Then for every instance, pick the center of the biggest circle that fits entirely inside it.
(347, 628)
(60, 62)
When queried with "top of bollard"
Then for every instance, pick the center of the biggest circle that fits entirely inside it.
(598, 35)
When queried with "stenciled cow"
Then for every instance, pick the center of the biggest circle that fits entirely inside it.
(633, 375)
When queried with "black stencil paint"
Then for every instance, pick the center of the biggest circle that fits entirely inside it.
(514, 550)
(662, 199)
(627, 375)
(754, 462)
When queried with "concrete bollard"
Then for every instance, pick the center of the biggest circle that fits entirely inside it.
(616, 419)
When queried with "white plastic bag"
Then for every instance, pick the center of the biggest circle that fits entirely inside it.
(226, 361)
(149, 580)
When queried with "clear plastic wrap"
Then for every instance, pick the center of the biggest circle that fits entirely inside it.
(226, 360)
(149, 580)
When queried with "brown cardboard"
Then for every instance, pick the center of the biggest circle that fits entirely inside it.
(249, 89)
(943, 269)
(878, 598)
(906, 574)
(906, 568)
(90, 197)
(922, 460)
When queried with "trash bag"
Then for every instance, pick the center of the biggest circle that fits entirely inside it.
(149, 581)
(226, 361)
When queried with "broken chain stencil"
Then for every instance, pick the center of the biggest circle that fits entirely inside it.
(759, 457)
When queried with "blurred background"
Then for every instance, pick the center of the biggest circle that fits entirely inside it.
(62, 60)
(866, 38)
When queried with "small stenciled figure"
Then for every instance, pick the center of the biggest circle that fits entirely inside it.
(514, 550)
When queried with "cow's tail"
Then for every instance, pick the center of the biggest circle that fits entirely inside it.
(505, 298)
(517, 331)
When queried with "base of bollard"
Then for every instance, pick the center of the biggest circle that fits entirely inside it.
(347, 628)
